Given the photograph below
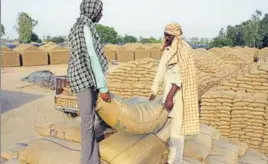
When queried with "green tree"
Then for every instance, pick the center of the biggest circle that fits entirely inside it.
(47, 38)
(150, 40)
(129, 39)
(2, 30)
(25, 25)
(107, 34)
(57, 39)
(263, 32)
(35, 38)
(220, 42)
(251, 29)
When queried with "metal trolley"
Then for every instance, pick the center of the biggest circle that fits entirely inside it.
(67, 104)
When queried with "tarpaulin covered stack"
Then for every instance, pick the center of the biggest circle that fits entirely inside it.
(141, 53)
(9, 58)
(31, 55)
(124, 54)
(57, 54)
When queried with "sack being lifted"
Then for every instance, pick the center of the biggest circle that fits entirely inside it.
(136, 115)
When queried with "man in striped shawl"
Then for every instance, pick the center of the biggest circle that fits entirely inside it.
(177, 70)
(86, 74)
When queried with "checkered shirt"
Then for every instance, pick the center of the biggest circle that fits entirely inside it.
(79, 72)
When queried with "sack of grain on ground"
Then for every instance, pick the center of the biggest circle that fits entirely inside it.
(12, 152)
(14, 161)
(224, 152)
(51, 150)
(133, 149)
(68, 129)
(253, 157)
(200, 147)
(242, 147)
(187, 160)
(163, 134)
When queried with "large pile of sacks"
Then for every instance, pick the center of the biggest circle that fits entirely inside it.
(9, 58)
(239, 107)
(211, 69)
(133, 78)
(209, 147)
(218, 63)
(262, 55)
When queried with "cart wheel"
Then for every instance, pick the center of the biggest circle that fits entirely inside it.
(71, 114)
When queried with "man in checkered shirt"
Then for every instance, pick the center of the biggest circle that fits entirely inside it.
(86, 74)
(177, 70)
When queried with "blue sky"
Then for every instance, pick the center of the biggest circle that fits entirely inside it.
(202, 18)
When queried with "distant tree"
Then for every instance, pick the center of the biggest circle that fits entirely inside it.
(220, 42)
(263, 32)
(129, 39)
(107, 34)
(2, 30)
(265, 41)
(57, 39)
(25, 25)
(35, 38)
(150, 40)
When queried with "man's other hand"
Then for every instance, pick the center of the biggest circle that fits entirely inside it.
(152, 97)
(105, 96)
(168, 104)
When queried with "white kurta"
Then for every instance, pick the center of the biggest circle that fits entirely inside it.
(170, 74)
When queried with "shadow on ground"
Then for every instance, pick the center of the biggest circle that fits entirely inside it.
(12, 99)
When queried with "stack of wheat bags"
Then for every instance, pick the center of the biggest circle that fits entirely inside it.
(133, 78)
(251, 79)
(264, 145)
(238, 107)
(211, 69)
(216, 110)
(262, 55)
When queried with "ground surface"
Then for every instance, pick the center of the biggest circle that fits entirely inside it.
(24, 105)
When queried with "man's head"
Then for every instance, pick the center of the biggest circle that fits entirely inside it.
(168, 39)
(92, 9)
(172, 30)
(256, 59)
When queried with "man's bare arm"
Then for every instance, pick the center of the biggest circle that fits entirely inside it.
(173, 91)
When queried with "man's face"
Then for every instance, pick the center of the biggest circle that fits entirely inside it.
(98, 17)
(168, 39)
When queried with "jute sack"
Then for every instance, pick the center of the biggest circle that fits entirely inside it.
(242, 147)
(223, 151)
(129, 116)
(253, 157)
(133, 149)
(190, 161)
(164, 133)
(14, 161)
(198, 148)
(68, 129)
(219, 160)
(12, 152)
(51, 150)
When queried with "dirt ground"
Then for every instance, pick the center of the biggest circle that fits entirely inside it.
(24, 105)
